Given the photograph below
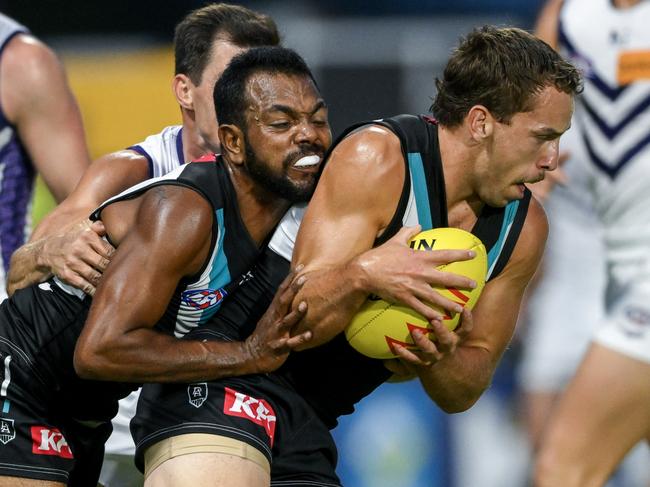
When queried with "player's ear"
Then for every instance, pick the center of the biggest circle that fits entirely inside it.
(182, 87)
(480, 122)
(233, 143)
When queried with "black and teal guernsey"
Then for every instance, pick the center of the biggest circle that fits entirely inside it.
(349, 376)
(42, 323)
(334, 376)
(233, 251)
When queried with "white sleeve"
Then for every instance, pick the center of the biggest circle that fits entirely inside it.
(284, 238)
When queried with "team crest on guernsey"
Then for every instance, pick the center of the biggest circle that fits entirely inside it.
(203, 298)
(7, 430)
(197, 393)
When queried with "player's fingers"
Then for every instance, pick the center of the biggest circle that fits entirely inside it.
(449, 255)
(429, 297)
(466, 324)
(102, 247)
(419, 304)
(77, 280)
(450, 280)
(446, 340)
(294, 317)
(291, 284)
(397, 367)
(98, 227)
(289, 288)
(427, 350)
(410, 357)
(97, 259)
(299, 340)
(406, 233)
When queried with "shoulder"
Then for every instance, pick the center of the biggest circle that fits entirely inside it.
(371, 154)
(369, 145)
(26, 53)
(29, 67)
(162, 213)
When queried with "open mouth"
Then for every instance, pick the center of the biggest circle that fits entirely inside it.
(307, 161)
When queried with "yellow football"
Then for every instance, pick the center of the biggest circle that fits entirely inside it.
(379, 324)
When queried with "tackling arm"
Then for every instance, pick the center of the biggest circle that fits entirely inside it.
(65, 243)
(168, 239)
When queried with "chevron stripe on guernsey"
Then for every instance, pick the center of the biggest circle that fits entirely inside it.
(574, 54)
(612, 118)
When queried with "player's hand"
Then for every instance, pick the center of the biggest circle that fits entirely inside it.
(428, 352)
(79, 256)
(543, 188)
(397, 273)
(269, 345)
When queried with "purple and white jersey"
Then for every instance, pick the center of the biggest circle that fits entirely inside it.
(16, 175)
(164, 151)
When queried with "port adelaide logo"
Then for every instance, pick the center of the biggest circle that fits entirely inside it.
(197, 394)
(7, 430)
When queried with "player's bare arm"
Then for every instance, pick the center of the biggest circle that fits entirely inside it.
(37, 99)
(354, 202)
(166, 237)
(457, 379)
(66, 243)
(546, 26)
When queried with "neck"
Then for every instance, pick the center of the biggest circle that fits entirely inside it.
(459, 155)
(194, 145)
(260, 209)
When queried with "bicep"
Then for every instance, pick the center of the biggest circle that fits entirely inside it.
(354, 200)
(165, 241)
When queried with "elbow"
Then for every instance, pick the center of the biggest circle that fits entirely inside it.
(88, 364)
(461, 399)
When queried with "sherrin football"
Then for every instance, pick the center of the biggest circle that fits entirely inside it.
(379, 324)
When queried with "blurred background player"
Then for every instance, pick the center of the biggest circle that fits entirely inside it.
(40, 131)
(67, 245)
(605, 409)
(558, 321)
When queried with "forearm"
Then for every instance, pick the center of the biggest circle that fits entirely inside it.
(333, 295)
(26, 267)
(145, 355)
(457, 381)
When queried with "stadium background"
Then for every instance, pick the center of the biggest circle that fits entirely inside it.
(372, 59)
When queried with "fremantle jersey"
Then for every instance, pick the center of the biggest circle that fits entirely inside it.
(347, 375)
(16, 175)
(163, 151)
(612, 47)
